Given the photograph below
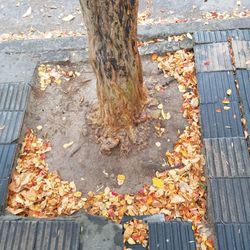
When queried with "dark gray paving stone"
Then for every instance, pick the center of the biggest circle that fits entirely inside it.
(3, 195)
(241, 50)
(13, 96)
(99, 233)
(212, 57)
(233, 236)
(230, 199)
(243, 77)
(39, 235)
(213, 86)
(10, 125)
(227, 157)
(171, 235)
(217, 122)
(16, 68)
(221, 36)
(7, 157)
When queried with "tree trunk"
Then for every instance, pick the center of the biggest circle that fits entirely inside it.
(112, 32)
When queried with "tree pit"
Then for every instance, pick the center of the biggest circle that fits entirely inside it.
(60, 113)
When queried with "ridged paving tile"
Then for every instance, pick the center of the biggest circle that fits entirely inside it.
(213, 86)
(13, 96)
(227, 157)
(230, 199)
(243, 77)
(7, 157)
(171, 235)
(3, 194)
(217, 122)
(39, 235)
(212, 57)
(221, 36)
(10, 125)
(241, 50)
(233, 236)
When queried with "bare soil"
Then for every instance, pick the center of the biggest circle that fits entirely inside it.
(62, 109)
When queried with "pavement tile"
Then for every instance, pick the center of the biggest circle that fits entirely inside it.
(234, 236)
(100, 233)
(241, 50)
(7, 157)
(16, 68)
(230, 199)
(13, 96)
(10, 125)
(171, 235)
(212, 57)
(3, 195)
(213, 86)
(227, 157)
(221, 36)
(243, 77)
(217, 122)
(39, 234)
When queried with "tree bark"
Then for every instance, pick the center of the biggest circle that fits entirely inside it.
(113, 53)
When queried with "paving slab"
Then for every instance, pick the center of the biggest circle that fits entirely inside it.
(213, 86)
(3, 194)
(171, 235)
(227, 157)
(99, 233)
(217, 122)
(230, 199)
(221, 36)
(10, 125)
(212, 57)
(243, 77)
(7, 158)
(241, 50)
(16, 68)
(235, 236)
(13, 96)
(39, 235)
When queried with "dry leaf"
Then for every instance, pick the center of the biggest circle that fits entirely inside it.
(120, 179)
(67, 145)
(229, 92)
(28, 12)
(177, 199)
(159, 183)
(68, 18)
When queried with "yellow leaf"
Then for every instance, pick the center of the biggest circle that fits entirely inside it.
(120, 179)
(159, 183)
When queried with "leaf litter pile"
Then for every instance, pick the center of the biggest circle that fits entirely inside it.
(176, 193)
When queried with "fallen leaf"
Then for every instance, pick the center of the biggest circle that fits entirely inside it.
(67, 145)
(39, 127)
(229, 92)
(154, 57)
(177, 199)
(120, 179)
(159, 183)
(226, 101)
(226, 108)
(68, 18)
(28, 12)
(2, 127)
(189, 36)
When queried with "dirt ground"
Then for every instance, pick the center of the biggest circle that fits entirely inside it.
(61, 111)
